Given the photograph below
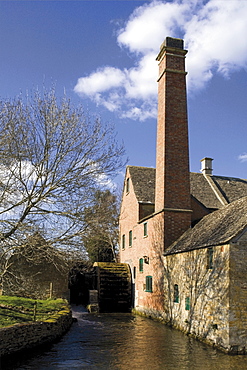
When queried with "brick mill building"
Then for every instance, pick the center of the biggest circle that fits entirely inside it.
(184, 234)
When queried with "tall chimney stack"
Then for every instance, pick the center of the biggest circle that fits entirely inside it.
(172, 194)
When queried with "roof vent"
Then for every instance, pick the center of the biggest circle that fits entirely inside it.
(206, 166)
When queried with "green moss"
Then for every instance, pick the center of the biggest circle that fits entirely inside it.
(21, 310)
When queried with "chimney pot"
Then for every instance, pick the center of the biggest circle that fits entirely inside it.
(173, 43)
(206, 166)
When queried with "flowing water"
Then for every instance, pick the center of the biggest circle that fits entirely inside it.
(127, 342)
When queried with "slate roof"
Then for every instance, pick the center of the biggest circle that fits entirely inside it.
(201, 190)
(217, 228)
(231, 188)
(143, 180)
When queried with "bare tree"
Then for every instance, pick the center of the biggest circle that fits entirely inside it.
(101, 236)
(202, 289)
(37, 270)
(204, 284)
(52, 157)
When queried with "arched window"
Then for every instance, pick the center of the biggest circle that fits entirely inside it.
(210, 255)
(149, 284)
(123, 241)
(145, 229)
(187, 303)
(141, 264)
(127, 185)
(130, 238)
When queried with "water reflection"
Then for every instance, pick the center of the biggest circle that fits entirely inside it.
(124, 341)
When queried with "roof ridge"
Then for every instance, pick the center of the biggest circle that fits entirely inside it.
(217, 191)
(217, 228)
(151, 168)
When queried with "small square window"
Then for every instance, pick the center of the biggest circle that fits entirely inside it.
(141, 264)
(149, 282)
(130, 238)
(145, 229)
(123, 241)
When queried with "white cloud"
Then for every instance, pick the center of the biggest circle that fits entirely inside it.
(243, 157)
(214, 33)
(214, 37)
(150, 23)
(140, 79)
(100, 81)
(112, 88)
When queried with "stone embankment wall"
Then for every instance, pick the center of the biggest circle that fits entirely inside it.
(21, 337)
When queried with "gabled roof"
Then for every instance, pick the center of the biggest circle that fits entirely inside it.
(143, 180)
(217, 228)
(201, 190)
(229, 188)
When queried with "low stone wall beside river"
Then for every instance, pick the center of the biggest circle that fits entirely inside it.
(21, 337)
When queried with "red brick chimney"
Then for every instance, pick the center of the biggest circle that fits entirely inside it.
(172, 195)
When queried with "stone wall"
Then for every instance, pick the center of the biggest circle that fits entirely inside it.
(197, 295)
(238, 296)
(21, 337)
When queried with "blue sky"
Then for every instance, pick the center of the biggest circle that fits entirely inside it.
(103, 54)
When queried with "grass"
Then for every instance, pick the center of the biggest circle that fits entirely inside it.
(15, 310)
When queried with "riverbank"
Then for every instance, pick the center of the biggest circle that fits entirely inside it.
(22, 337)
(19, 310)
(125, 341)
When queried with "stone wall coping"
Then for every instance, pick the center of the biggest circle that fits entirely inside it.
(23, 336)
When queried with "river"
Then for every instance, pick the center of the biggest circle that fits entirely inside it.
(127, 342)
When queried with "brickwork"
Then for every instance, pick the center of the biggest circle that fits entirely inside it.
(172, 156)
(202, 291)
(176, 223)
(172, 135)
(149, 248)
(199, 211)
(172, 186)
(142, 246)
